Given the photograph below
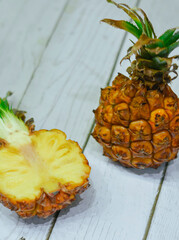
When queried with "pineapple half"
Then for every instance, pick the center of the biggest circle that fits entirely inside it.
(40, 171)
(137, 121)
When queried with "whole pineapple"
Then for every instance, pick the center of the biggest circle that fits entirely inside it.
(137, 121)
(40, 171)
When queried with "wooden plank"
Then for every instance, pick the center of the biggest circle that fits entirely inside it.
(78, 61)
(166, 218)
(9, 11)
(25, 27)
(63, 80)
(119, 201)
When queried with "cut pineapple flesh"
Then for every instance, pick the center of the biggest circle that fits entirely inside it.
(43, 163)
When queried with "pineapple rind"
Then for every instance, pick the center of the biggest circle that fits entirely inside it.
(46, 204)
(138, 128)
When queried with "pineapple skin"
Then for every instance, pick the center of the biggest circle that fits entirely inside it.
(47, 203)
(136, 126)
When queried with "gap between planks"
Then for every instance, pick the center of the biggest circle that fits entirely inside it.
(93, 123)
(42, 54)
(149, 222)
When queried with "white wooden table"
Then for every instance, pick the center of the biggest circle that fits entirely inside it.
(55, 56)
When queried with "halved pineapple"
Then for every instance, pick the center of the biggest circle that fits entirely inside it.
(40, 171)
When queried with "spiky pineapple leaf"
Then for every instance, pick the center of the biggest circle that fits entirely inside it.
(150, 51)
(144, 26)
(4, 107)
(130, 13)
(157, 43)
(125, 25)
(143, 40)
(6, 111)
(168, 50)
(172, 39)
(167, 35)
(160, 63)
(148, 25)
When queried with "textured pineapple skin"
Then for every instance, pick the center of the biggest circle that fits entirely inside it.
(137, 127)
(47, 203)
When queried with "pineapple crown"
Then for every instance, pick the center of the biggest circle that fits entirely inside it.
(12, 122)
(152, 64)
(4, 106)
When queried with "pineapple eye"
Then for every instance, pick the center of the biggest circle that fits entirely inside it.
(161, 140)
(139, 108)
(121, 114)
(143, 147)
(170, 103)
(159, 120)
(104, 134)
(163, 155)
(174, 125)
(141, 163)
(121, 153)
(107, 113)
(120, 135)
(140, 130)
(155, 99)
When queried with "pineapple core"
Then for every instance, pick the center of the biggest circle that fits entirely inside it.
(40, 161)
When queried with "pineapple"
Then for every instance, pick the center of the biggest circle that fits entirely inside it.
(40, 171)
(137, 121)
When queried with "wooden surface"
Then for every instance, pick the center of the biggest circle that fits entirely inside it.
(55, 56)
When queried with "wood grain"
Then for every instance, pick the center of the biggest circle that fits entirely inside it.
(165, 221)
(26, 28)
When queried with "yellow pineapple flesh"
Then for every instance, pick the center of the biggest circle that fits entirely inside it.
(40, 171)
(137, 121)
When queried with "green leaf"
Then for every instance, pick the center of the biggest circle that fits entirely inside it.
(143, 40)
(164, 52)
(127, 26)
(4, 107)
(148, 29)
(157, 43)
(172, 47)
(130, 13)
(148, 25)
(159, 63)
(167, 35)
(173, 39)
